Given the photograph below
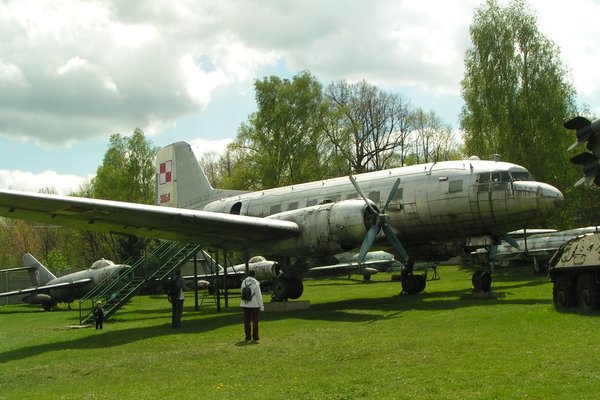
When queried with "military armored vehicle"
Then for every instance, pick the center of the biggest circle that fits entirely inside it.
(575, 271)
(575, 268)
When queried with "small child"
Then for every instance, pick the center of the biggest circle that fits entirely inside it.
(99, 314)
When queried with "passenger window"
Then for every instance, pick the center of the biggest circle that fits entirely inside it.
(352, 196)
(375, 196)
(275, 209)
(455, 186)
(293, 206)
(311, 203)
(398, 196)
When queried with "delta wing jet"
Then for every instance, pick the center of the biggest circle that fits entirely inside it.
(349, 264)
(423, 212)
(48, 290)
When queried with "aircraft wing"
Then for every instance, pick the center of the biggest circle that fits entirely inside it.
(369, 267)
(45, 288)
(207, 228)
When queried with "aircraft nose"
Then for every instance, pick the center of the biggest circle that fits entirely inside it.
(549, 198)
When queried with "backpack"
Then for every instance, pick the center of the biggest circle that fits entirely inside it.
(246, 293)
(172, 289)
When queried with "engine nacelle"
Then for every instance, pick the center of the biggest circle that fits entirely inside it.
(37, 298)
(327, 228)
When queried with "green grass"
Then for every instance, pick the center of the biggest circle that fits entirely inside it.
(356, 341)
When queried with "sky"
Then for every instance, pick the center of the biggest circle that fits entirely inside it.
(74, 72)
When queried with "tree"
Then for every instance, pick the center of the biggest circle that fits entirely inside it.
(433, 139)
(367, 124)
(127, 170)
(516, 93)
(281, 143)
(126, 174)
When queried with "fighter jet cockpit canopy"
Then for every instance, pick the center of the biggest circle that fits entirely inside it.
(256, 259)
(101, 264)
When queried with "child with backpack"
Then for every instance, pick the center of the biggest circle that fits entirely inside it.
(252, 304)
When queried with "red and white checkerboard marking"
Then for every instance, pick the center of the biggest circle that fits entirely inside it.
(165, 172)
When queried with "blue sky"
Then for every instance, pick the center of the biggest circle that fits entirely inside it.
(74, 72)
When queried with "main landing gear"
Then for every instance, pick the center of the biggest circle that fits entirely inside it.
(482, 281)
(286, 288)
(411, 283)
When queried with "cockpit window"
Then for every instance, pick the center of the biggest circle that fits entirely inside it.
(521, 176)
(497, 179)
(101, 264)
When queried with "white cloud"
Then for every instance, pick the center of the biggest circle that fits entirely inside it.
(201, 147)
(27, 181)
(72, 70)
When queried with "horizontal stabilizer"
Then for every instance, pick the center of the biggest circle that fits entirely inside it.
(14, 269)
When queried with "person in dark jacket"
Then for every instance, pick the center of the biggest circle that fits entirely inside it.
(176, 297)
(99, 314)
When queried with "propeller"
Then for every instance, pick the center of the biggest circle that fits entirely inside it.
(382, 224)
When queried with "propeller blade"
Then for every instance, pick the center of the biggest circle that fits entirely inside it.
(367, 243)
(391, 237)
(392, 194)
(355, 184)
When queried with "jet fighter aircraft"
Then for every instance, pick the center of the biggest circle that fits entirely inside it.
(422, 212)
(48, 290)
(266, 272)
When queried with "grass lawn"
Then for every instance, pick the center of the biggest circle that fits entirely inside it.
(358, 340)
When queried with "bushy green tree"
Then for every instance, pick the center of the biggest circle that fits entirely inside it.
(281, 143)
(517, 93)
(127, 174)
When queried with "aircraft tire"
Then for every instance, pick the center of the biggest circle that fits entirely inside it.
(296, 288)
(411, 284)
(422, 282)
(563, 294)
(588, 293)
(482, 281)
(280, 289)
(366, 278)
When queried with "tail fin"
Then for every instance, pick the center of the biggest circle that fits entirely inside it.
(180, 180)
(37, 272)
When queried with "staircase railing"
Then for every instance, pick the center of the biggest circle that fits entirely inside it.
(119, 288)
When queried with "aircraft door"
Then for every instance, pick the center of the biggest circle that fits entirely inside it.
(501, 190)
(490, 196)
(481, 198)
(422, 202)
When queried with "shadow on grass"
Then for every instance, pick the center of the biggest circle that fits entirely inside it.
(357, 310)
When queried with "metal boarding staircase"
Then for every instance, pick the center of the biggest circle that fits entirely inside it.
(115, 291)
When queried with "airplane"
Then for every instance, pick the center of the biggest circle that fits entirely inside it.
(348, 264)
(535, 246)
(48, 290)
(266, 272)
(425, 212)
